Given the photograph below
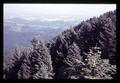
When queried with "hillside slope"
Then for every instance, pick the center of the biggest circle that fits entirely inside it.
(73, 43)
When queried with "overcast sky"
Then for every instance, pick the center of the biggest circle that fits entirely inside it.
(89, 10)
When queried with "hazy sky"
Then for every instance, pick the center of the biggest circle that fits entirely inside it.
(21, 10)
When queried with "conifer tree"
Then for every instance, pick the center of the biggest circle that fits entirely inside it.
(97, 68)
(41, 65)
(11, 72)
(24, 71)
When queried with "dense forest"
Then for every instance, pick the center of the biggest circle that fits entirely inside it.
(85, 51)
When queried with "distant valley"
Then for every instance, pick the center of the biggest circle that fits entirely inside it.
(19, 31)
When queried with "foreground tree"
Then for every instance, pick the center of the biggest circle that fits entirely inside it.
(40, 60)
(32, 63)
(24, 71)
(11, 72)
(97, 68)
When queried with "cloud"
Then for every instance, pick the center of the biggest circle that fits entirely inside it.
(37, 36)
(16, 29)
(54, 18)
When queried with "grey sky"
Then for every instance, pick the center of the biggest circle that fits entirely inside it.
(88, 10)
